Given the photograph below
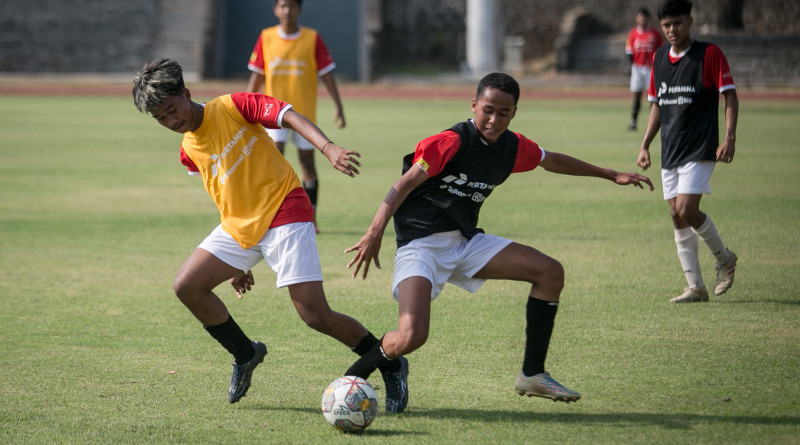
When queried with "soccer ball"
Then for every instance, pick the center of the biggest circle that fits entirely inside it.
(349, 404)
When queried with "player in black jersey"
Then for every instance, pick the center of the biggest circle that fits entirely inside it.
(685, 84)
(435, 205)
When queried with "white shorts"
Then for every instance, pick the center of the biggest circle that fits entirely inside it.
(640, 78)
(290, 250)
(282, 135)
(446, 257)
(692, 178)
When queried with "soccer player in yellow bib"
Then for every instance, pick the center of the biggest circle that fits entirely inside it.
(264, 212)
(286, 60)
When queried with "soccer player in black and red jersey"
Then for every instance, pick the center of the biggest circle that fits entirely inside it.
(687, 78)
(435, 205)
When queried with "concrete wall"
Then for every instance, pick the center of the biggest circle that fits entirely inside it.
(213, 38)
(755, 60)
(100, 36)
(73, 36)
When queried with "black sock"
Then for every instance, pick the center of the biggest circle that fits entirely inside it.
(635, 110)
(231, 337)
(365, 344)
(311, 190)
(540, 316)
(371, 360)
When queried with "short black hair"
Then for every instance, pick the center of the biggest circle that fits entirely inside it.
(158, 79)
(644, 11)
(499, 81)
(675, 8)
(299, 2)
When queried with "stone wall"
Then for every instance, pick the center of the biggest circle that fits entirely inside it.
(74, 36)
(420, 35)
(538, 21)
(417, 36)
(101, 36)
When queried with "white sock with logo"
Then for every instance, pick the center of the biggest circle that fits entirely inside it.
(708, 233)
(686, 240)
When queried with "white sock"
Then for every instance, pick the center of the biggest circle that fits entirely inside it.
(708, 233)
(688, 246)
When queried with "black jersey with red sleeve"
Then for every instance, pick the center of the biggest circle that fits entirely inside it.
(463, 171)
(686, 90)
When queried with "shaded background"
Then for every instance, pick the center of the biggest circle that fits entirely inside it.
(372, 39)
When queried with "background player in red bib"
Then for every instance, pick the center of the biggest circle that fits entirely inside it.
(286, 61)
(435, 206)
(643, 40)
(264, 212)
(687, 79)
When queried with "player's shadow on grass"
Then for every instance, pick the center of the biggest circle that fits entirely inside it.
(683, 421)
(372, 431)
(788, 301)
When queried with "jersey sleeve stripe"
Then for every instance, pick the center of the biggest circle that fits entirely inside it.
(255, 69)
(327, 69)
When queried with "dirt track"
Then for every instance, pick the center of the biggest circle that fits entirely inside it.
(556, 88)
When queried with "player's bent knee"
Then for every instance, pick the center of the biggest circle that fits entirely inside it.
(552, 276)
(315, 320)
(182, 288)
(410, 340)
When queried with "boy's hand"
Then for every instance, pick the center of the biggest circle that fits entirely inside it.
(633, 178)
(242, 283)
(367, 249)
(343, 160)
(338, 119)
(726, 151)
(643, 160)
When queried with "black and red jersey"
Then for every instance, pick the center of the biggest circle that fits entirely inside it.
(686, 89)
(464, 171)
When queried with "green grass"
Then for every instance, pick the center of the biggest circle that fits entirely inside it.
(96, 215)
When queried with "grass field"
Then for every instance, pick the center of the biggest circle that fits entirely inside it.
(96, 215)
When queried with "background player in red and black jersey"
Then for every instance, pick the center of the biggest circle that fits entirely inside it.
(688, 77)
(452, 173)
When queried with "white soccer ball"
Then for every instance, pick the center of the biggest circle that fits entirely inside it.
(349, 404)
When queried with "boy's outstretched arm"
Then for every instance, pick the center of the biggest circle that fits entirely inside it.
(369, 245)
(567, 165)
(343, 160)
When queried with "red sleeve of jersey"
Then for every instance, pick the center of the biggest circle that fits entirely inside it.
(190, 165)
(324, 58)
(716, 71)
(629, 42)
(259, 108)
(434, 152)
(256, 63)
(651, 90)
(529, 155)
